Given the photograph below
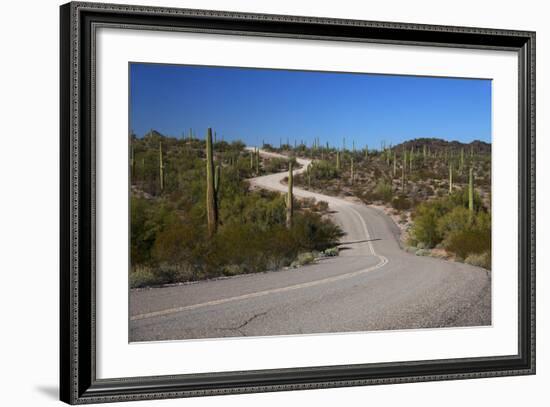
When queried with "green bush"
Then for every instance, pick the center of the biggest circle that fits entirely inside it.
(401, 202)
(456, 220)
(303, 259)
(425, 228)
(468, 241)
(323, 170)
(480, 260)
(448, 221)
(332, 251)
(383, 191)
(142, 276)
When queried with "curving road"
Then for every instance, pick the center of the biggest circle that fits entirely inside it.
(372, 285)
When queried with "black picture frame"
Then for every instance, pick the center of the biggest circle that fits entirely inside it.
(78, 382)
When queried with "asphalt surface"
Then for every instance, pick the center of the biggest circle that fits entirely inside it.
(372, 285)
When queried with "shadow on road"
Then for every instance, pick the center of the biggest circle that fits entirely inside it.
(360, 241)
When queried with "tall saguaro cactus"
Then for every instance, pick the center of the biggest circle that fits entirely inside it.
(132, 160)
(161, 168)
(211, 202)
(338, 160)
(289, 197)
(403, 170)
(351, 170)
(471, 192)
(450, 178)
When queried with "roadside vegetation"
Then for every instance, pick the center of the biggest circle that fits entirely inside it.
(193, 215)
(438, 192)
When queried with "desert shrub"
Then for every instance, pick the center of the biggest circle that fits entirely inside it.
(306, 203)
(277, 164)
(231, 270)
(480, 260)
(167, 273)
(331, 252)
(474, 239)
(142, 276)
(383, 191)
(401, 202)
(177, 243)
(310, 231)
(323, 170)
(454, 221)
(321, 206)
(303, 259)
(448, 222)
(425, 228)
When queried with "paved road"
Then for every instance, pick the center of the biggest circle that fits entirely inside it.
(372, 285)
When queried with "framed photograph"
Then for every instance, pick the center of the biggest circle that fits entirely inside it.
(255, 203)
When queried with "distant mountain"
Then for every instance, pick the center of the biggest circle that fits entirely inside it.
(436, 144)
(153, 134)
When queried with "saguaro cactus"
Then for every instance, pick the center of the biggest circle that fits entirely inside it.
(338, 160)
(161, 168)
(211, 203)
(289, 197)
(132, 160)
(366, 152)
(471, 192)
(450, 179)
(351, 170)
(394, 163)
(403, 170)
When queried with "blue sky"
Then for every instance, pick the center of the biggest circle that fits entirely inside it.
(264, 104)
